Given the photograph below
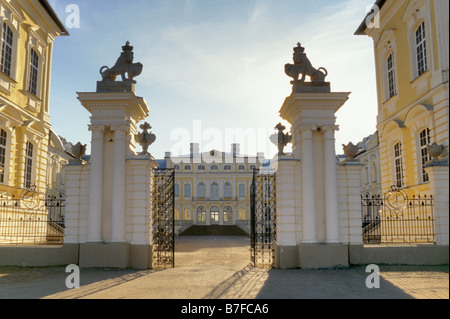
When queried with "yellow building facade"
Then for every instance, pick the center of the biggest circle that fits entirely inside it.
(212, 188)
(27, 32)
(411, 45)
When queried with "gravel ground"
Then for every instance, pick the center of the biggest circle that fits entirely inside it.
(218, 268)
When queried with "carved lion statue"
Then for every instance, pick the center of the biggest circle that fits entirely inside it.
(303, 66)
(123, 66)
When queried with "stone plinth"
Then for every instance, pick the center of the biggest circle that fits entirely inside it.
(115, 86)
(310, 87)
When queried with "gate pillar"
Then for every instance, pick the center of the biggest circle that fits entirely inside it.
(110, 195)
(309, 230)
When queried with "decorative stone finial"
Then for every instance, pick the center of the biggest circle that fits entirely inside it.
(281, 139)
(145, 138)
(350, 150)
(79, 150)
(435, 150)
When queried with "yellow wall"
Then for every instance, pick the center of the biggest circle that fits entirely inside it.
(24, 116)
(421, 101)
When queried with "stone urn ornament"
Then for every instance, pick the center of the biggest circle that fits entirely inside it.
(79, 150)
(435, 150)
(350, 150)
(145, 138)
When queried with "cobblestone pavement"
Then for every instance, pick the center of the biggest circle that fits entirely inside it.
(217, 268)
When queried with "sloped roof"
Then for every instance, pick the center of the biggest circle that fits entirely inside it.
(52, 14)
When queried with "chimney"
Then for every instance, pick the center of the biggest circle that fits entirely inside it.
(195, 149)
(235, 149)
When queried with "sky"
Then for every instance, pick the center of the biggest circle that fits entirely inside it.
(213, 68)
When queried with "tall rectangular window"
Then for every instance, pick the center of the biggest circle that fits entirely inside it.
(425, 157)
(34, 69)
(398, 161)
(7, 49)
(187, 190)
(3, 138)
(421, 49)
(28, 165)
(241, 190)
(391, 76)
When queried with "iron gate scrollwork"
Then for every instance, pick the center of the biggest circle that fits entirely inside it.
(163, 223)
(395, 217)
(263, 219)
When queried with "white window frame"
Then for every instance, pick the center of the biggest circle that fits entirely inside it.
(29, 163)
(4, 137)
(187, 190)
(421, 44)
(201, 190)
(416, 14)
(391, 80)
(424, 156)
(241, 190)
(228, 215)
(13, 22)
(214, 191)
(228, 190)
(398, 165)
(201, 215)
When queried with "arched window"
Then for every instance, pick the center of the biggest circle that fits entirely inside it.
(425, 140)
(227, 215)
(214, 191)
(214, 215)
(227, 190)
(201, 215)
(214, 167)
(398, 165)
(201, 190)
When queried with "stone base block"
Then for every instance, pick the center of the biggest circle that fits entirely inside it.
(323, 256)
(286, 257)
(115, 256)
(310, 256)
(400, 254)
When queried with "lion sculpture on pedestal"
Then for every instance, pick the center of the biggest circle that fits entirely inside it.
(303, 66)
(124, 66)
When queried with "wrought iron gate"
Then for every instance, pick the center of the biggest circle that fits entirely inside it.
(263, 219)
(163, 223)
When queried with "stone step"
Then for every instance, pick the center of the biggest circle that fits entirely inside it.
(214, 230)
